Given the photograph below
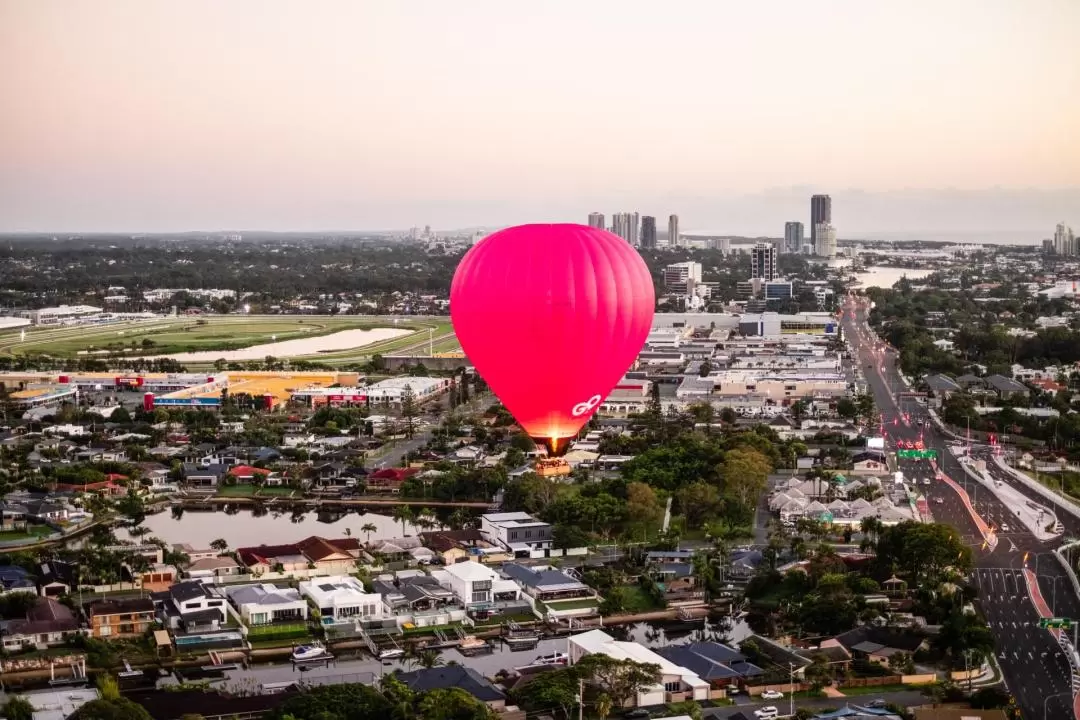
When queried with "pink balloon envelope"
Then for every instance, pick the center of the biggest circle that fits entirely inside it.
(551, 316)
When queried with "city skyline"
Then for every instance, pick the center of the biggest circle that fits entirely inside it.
(177, 116)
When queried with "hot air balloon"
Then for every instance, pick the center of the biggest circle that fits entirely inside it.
(551, 316)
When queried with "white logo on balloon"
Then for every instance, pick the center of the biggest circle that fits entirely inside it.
(584, 407)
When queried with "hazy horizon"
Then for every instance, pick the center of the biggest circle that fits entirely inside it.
(918, 117)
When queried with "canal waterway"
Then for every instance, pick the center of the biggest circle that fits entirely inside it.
(246, 529)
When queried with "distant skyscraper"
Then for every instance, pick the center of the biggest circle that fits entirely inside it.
(825, 245)
(648, 232)
(596, 220)
(793, 237)
(625, 225)
(763, 262)
(1064, 241)
(820, 212)
(673, 231)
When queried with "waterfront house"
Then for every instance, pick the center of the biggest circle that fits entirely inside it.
(343, 598)
(324, 556)
(477, 587)
(676, 683)
(205, 476)
(47, 623)
(455, 676)
(273, 558)
(412, 593)
(213, 567)
(120, 618)
(247, 474)
(264, 604)
(389, 480)
(194, 553)
(58, 577)
(545, 583)
(192, 606)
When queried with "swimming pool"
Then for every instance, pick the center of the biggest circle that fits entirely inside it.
(204, 639)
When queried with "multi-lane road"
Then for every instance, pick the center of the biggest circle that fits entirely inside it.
(1035, 667)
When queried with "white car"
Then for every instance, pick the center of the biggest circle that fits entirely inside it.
(772, 695)
(767, 713)
(1004, 527)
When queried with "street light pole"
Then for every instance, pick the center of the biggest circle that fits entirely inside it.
(791, 689)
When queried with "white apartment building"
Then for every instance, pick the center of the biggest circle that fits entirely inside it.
(391, 390)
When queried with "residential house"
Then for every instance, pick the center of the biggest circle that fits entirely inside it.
(476, 586)
(100, 454)
(204, 476)
(678, 582)
(457, 545)
(721, 666)
(677, 683)
(264, 604)
(389, 480)
(48, 622)
(879, 644)
(15, 579)
(520, 533)
(837, 657)
(325, 556)
(971, 382)
(192, 606)
(58, 578)
(1005, 387)
(869, 462)
(13, 515)
(194, 553)
(455, 676)
(213, 567)
(468, 455)
(343, 598)
(545, 583)
(120, 618)
(248, 474)
(410, 594)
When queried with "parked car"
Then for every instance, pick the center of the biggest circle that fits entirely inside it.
(767, 713)
(879, 703)
(772, 695)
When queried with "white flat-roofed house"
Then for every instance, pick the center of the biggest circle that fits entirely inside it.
(476, 586)
(343, 598)
(676, 682)
(520, 533)
(264, 604)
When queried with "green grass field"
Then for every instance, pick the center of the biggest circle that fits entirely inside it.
(231, 332)
(248, 490)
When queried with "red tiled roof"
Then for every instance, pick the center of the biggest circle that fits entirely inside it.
(395, 474)
(314, 548)
(248, 470)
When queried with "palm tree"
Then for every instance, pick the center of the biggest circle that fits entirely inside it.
(348, 532)
(428, 659)
(403, 514)
(367, 529)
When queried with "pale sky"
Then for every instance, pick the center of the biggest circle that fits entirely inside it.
(142, 115)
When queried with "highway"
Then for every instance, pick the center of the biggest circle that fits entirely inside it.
(1036, 669)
